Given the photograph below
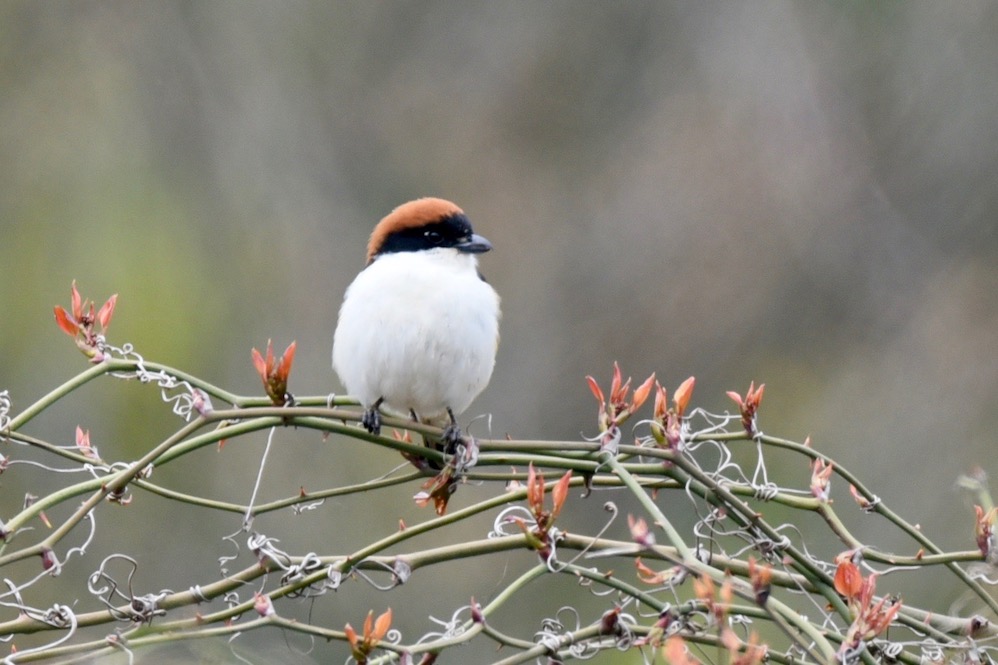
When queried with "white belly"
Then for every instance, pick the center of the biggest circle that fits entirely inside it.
(419, 330)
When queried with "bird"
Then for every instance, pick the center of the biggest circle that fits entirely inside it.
(418, 329)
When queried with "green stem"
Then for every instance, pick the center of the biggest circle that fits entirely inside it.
(21, 419)
(805, 627)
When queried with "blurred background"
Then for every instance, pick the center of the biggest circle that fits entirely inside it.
(801, 194)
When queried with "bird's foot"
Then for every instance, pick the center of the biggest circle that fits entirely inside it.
(461, 449)
(451, 437)
(371, 419)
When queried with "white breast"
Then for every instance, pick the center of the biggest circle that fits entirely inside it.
(420, 330)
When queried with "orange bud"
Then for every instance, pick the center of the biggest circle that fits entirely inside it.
(727, 592)
(66, 322)
(263, 605)
(289, 357)
(984, 528)
(848, 579)
(860, 500)
(748, 406)
(275, 375)
(77, 302)
(368, 623)
(729, 640)
(681, 398)
(596, 390)
(642, 392)
(640, 533)
(761, 578)
(259, 363)
(381, 626)
(107, 311)
(821, 473)
(560, 493)
(646, 574)
(703, 588)
(83, 443)
(351, 635)
(615, 383)
(661, 402)
(535, 491)
(676, 653)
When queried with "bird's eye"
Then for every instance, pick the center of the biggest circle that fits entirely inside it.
(433, 236)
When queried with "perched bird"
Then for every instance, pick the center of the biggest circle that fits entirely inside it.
(419, 326)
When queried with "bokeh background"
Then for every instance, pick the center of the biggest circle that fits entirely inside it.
(803, 194)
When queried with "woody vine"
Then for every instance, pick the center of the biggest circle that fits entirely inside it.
(738, 587)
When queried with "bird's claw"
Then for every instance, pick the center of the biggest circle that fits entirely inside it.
(372, 420)
(451, 438)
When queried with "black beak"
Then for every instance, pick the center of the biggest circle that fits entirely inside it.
(476, 244)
